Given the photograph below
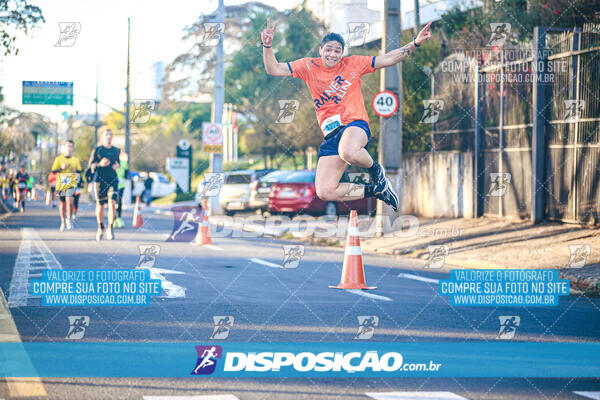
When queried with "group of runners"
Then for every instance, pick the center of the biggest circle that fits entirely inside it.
(17, 185)
(106, 173)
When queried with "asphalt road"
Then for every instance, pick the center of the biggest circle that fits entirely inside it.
(238, 277)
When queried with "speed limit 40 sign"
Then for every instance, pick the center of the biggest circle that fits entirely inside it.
(212, 137)
(385, 103)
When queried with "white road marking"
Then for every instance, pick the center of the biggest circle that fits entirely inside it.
(589, 395)
(31, 247)
(166, 271)
(212, 246)
(267, 263)
(203, 397)
(367, 294)
(418, 278)
(415, 396)
(170, 289)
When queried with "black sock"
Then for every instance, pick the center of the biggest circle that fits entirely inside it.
(374, 169)
(102, 225)
(369, 191)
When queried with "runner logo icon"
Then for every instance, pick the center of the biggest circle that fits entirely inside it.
(207, 359)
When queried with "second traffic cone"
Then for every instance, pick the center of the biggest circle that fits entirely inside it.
(138, 220)
(205, 227)
(353, 274)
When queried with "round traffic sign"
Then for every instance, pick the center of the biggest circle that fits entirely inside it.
(385, 103)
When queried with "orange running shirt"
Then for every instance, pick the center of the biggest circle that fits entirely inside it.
(335, 91)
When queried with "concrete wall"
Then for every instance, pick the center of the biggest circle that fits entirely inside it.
(438, 184)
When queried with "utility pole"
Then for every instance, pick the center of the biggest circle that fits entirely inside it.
(390, 138)
(216, 159)
(417, 18)
(127, 111)
(96, 113)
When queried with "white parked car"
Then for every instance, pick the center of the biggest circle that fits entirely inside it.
(161, 186)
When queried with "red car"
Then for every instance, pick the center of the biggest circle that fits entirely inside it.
(296, 194)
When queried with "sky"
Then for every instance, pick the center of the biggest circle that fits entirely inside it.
(156, 31)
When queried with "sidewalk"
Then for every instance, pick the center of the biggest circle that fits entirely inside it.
(496, 243)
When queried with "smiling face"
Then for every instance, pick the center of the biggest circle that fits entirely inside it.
(331, 53)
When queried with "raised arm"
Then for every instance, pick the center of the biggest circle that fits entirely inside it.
(271, 65)
(395, 56)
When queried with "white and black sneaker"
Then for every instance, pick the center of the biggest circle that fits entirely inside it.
(99, 233)
(388, 196)
(379, 180)
(109, 233)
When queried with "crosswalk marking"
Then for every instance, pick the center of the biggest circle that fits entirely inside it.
(589, 395)
(32, 248)
(415, 396)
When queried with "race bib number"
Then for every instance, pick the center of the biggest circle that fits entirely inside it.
(330, 123)
(66, 181)
(22, 185)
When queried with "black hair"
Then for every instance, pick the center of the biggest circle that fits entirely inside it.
(70, 141)
(333, 37)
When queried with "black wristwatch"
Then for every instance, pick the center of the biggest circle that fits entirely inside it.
(268, 47)
(415, 42)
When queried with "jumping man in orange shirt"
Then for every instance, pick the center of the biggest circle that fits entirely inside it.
(334, 84)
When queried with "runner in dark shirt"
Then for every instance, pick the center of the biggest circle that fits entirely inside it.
(103, 164)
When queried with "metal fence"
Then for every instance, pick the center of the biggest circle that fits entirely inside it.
(534, 129)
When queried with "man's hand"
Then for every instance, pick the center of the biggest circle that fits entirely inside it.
(104, 162)
(423, 35)
(115, 166)
(63, 166)
(267, 34)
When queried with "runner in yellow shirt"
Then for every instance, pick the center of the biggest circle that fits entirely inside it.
(68, 168)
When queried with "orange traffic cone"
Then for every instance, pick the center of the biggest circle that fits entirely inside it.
(353, 274)
(138, 221)
(205, 227)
